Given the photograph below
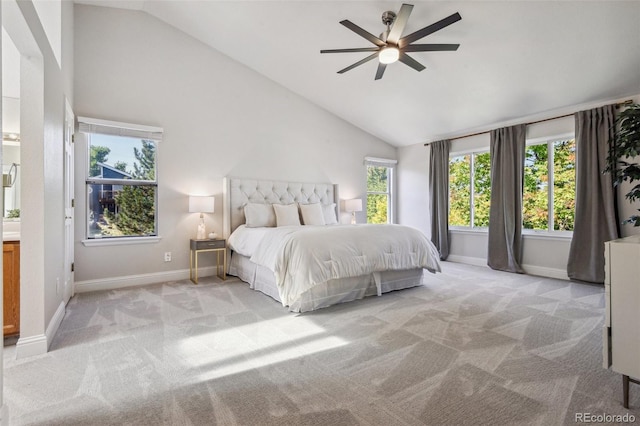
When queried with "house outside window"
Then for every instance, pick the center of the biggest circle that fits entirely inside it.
(550, 185)
(380, 190)
(121, 183)
(469, 190)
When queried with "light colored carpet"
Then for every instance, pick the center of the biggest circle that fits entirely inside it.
(473, 346)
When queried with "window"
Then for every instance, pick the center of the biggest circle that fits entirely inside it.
(549, 185)
(469, 190)
(379, 190)
(121, 184)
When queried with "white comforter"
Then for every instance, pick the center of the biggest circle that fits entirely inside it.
(303, 256)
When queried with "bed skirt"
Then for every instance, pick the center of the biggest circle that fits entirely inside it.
(328, 293)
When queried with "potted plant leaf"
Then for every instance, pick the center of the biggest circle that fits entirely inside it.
(623, 149)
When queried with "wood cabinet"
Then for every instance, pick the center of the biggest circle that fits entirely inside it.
(621, 348)
(11, 284)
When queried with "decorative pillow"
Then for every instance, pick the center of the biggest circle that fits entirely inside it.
(329, 212)
(312, 214)
(287, 214)
(259, 215)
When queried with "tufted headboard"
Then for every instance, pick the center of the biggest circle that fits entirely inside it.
(237, 192)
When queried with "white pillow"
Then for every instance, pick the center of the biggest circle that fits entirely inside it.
(329, 211)
(312, 214)
(287, 214)
(259, 215)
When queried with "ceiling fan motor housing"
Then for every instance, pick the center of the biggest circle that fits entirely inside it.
(388, 17)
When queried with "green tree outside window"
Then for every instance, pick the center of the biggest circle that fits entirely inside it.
(377, 194)
(543, 195)
(467, 172)
(540, 200)
(134, 213)
(136, 204)
(460, 191)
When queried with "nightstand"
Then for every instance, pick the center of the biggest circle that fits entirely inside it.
(199, 246)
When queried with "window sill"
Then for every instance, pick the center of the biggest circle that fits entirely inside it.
(96, 242)
(526, 234)
(546, 235)
(472, 231)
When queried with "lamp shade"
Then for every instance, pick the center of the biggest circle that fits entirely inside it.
(354, 205)
(201, 204)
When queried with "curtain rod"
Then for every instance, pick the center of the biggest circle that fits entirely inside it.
(618, 105)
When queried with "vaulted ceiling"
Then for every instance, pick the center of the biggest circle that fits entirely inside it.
(516, 58)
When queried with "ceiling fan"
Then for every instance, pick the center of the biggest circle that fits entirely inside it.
(391, 46)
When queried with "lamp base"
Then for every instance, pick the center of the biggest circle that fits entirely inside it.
(353, 218)
(202, 232)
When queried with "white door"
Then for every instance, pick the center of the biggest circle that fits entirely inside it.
(69, 203)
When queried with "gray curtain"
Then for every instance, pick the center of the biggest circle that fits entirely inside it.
(439, 196)
(507, 151)
(595, 218)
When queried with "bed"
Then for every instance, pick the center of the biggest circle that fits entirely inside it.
(320, 262)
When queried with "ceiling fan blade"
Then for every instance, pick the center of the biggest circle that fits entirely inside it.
(399, 23)
(350, 67)
(430, 47)
(358, 49)
(408, 60)
(363, 33)
(429, 30)
(380, 72)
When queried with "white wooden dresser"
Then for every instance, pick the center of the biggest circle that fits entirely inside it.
(621, 346)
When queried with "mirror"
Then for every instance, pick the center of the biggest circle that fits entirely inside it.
(10, 128)
(11, 179)
(11, 158)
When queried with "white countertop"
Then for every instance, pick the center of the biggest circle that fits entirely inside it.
(11, 236)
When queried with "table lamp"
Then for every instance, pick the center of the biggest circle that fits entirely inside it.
(353, 206)
(201, 204)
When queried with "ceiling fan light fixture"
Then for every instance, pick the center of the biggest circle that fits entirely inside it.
(388, 55)
(391, 46)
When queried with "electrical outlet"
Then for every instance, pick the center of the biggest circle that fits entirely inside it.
(167, 256)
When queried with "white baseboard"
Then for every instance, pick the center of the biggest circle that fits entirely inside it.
(477, 261)
(54, 324)
(31, 346)
(113, 283)
(38, 345)
(541, 271)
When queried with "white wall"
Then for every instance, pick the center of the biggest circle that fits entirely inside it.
(542, 255)
(11, 111)
(50, 14)
(413, 187)
(42, 215)
(10, 70)
(220, 118)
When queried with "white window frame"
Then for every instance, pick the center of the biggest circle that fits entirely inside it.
(470, 227)
(390, 193)
(549, 141)
(90, 126)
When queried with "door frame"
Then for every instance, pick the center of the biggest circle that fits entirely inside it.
(69, 203)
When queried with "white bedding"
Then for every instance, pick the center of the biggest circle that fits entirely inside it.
(245, 240)
(303, 256)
